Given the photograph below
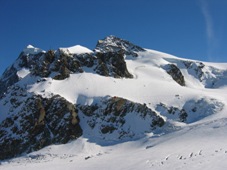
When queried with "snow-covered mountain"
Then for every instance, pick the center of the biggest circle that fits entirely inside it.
(118, 106)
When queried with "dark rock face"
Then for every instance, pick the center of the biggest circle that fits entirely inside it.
(86, 60)
(36, 63)
(112, 64)
(64, 65)
(58, 63)
(175, 73)
(38, 123)
(116, 118)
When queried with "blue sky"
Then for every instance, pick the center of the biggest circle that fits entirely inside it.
(194, 29)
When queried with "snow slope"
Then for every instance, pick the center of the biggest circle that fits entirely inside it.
(77, 49)
(198, 143)
(32, 50)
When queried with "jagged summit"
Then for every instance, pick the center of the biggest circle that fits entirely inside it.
(112, 44)
(59, 64)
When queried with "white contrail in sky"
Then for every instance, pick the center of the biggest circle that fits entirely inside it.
(211, 38)
(208, 19)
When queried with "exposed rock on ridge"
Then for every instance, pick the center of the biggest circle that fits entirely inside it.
(115, 44)
(108, 60)
(113, 118)
(112, 64)
(175, 73)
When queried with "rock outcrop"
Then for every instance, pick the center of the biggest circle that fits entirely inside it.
(115, 118)
(175, 73)
(36, 123)
(115, 44)
(112, 64)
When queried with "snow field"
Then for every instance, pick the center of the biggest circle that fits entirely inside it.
(197, 145)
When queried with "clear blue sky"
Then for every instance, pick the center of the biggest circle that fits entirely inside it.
(195, 29)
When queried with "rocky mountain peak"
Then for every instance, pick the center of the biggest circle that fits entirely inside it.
(114, 44)
(107, 61)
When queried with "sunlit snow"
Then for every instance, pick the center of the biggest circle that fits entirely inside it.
(197, 144)
(32, 50)
(77, 49)
(23, 72)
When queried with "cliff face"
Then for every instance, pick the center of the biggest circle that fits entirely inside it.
(36, 122)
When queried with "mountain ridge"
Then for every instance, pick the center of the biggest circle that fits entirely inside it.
(116, 92)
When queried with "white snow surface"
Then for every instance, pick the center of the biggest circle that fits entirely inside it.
(32, 50)
(77, 49)
(195, 145)
(23, 72)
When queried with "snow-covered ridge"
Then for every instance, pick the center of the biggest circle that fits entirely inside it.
(32, 50)
(77, 49)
